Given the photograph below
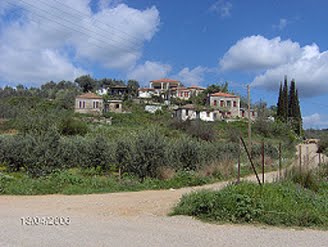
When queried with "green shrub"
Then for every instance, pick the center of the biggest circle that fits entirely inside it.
(274, 204)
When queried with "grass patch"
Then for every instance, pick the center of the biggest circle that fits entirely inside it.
(76, 181)
(285, 203)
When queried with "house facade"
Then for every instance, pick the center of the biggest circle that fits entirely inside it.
(189, 112)
(146, 93)
(89, 103)
(228, 105)
(186, 93)
(115, 105)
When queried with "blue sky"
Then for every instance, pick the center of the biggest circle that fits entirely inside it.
(196, 41)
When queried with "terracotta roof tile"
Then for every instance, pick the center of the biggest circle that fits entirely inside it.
(220, 94)
(196, 87)
(165, 80)
(89, 96)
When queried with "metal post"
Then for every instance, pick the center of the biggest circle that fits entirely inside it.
(262, 162)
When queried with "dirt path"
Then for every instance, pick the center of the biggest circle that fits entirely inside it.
(135, 219)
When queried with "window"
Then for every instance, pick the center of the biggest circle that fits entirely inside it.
(215, 103)
(222, 103)
(95, 104)
(243, 114)
(117, 106)
(187, 112)
(235, 104)
(208, 114)
(83, 104)
(229, 103)
(186, 94)
(80, 104)
(253, 114)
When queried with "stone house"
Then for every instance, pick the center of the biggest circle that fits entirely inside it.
(89, 103)
(114, 106)
(228, 105)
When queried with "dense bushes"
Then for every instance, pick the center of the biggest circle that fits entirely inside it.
(143, 154)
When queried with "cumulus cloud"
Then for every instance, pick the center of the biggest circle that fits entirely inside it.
(62, 38)
(148, 71)
(257, 52)
(192, 76)
(274, 58)
(315, 121)
(222, 7)
(310, 71)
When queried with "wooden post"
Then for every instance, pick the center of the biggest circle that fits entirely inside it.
(262, 162)
(250, 160)
(319, 159)
(280, 160)
(249, 120)
(307, 156)
(300, 156)
(238, 168)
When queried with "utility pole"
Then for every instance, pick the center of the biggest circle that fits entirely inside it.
(249, 119)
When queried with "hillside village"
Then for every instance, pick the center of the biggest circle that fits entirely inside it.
(166, 92)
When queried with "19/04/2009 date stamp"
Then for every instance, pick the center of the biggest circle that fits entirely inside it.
(45, 221)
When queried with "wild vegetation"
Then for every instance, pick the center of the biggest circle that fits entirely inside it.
(300, 199)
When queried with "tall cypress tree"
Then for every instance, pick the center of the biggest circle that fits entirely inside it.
(292, 105)
(279, 104)
(298, 115)
(284, 101)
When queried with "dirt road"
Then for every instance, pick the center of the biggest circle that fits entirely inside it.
(136, 219)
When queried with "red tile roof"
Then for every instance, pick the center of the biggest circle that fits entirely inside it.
(165, 80)
(196, 87)
(220, 94)
(89, 96)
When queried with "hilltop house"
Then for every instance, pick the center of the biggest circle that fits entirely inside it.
(228, 105)
(186, 92)
(190, 112)
(89, 103)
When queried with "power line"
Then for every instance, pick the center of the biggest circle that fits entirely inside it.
(116, 34)
(70, 27)
(113, 27)
(69, 21)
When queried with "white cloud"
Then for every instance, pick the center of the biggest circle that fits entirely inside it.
(113, 37)
(222, 7)
(274, 58)
(310, 71)
(257, 52)
(315, 121)
(282, 24)
(149, 71)
(192, 77)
